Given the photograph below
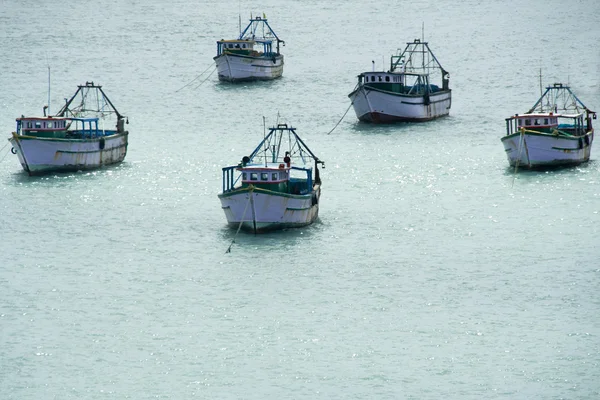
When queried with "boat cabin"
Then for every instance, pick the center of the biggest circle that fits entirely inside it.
(537, 121)
(572, 124)
(42, 126)
(266, 178)
(245, 47)
(404, 83)
(282, 178)
(235, 46)
(61, 128)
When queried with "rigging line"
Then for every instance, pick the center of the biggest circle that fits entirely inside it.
(242, 221)
(209, 75)
(188, 84)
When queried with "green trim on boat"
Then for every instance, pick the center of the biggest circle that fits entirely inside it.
(263, 191)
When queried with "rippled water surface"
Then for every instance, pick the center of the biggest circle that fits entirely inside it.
(433, 272)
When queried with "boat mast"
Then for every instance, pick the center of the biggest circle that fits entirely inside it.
(80, 89)
(423, 41)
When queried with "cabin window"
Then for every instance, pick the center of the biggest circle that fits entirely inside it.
(244, 45)
(244, 177)
(274, 176)
(545, 121)
(528, 122)
(379, 79)
(29, 124)
(387, 78)
(372, 79)
(49, 124)
(253, 176)
(264, 176)
(38, 125)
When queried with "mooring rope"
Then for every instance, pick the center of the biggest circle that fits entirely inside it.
(522, 139)
(209, 75)
(348, 109)
(242, 220)
(7, 151)
(336, 125)
(192, 81)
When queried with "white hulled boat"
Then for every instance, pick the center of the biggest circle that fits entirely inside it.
(251, 56)
(80, 136)
(273, 187)
(407, 91)
(556, 131)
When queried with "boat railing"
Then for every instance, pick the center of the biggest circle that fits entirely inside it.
(89, 133)
(308, 179)
(574, 125)
(229, 178)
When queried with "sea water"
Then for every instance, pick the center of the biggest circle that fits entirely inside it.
(434, 270)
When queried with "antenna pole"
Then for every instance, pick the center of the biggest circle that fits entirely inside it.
(265, 139)
(48, 89)
(541, 93)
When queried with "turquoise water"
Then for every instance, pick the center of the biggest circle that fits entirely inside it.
(434, 270)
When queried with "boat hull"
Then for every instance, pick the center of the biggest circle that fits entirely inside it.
(260, 210)
(42, 155)
(540, 150)
(376, 106)
(235, 68)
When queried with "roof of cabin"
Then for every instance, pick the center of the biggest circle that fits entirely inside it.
(261, 167)
(235, 41)
(51, 118)
(546, 115)
(394, 73)
(48, 118)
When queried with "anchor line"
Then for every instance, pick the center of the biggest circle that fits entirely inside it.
(192, 81)
(242, 220)
(7, 151)
(22, 153)
(522, 139)
(209, 75)
(348, 109)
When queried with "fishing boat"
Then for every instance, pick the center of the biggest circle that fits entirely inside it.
(80, 136)
(556, 131)
(274, 187)
(408, 92)
(254, 55)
